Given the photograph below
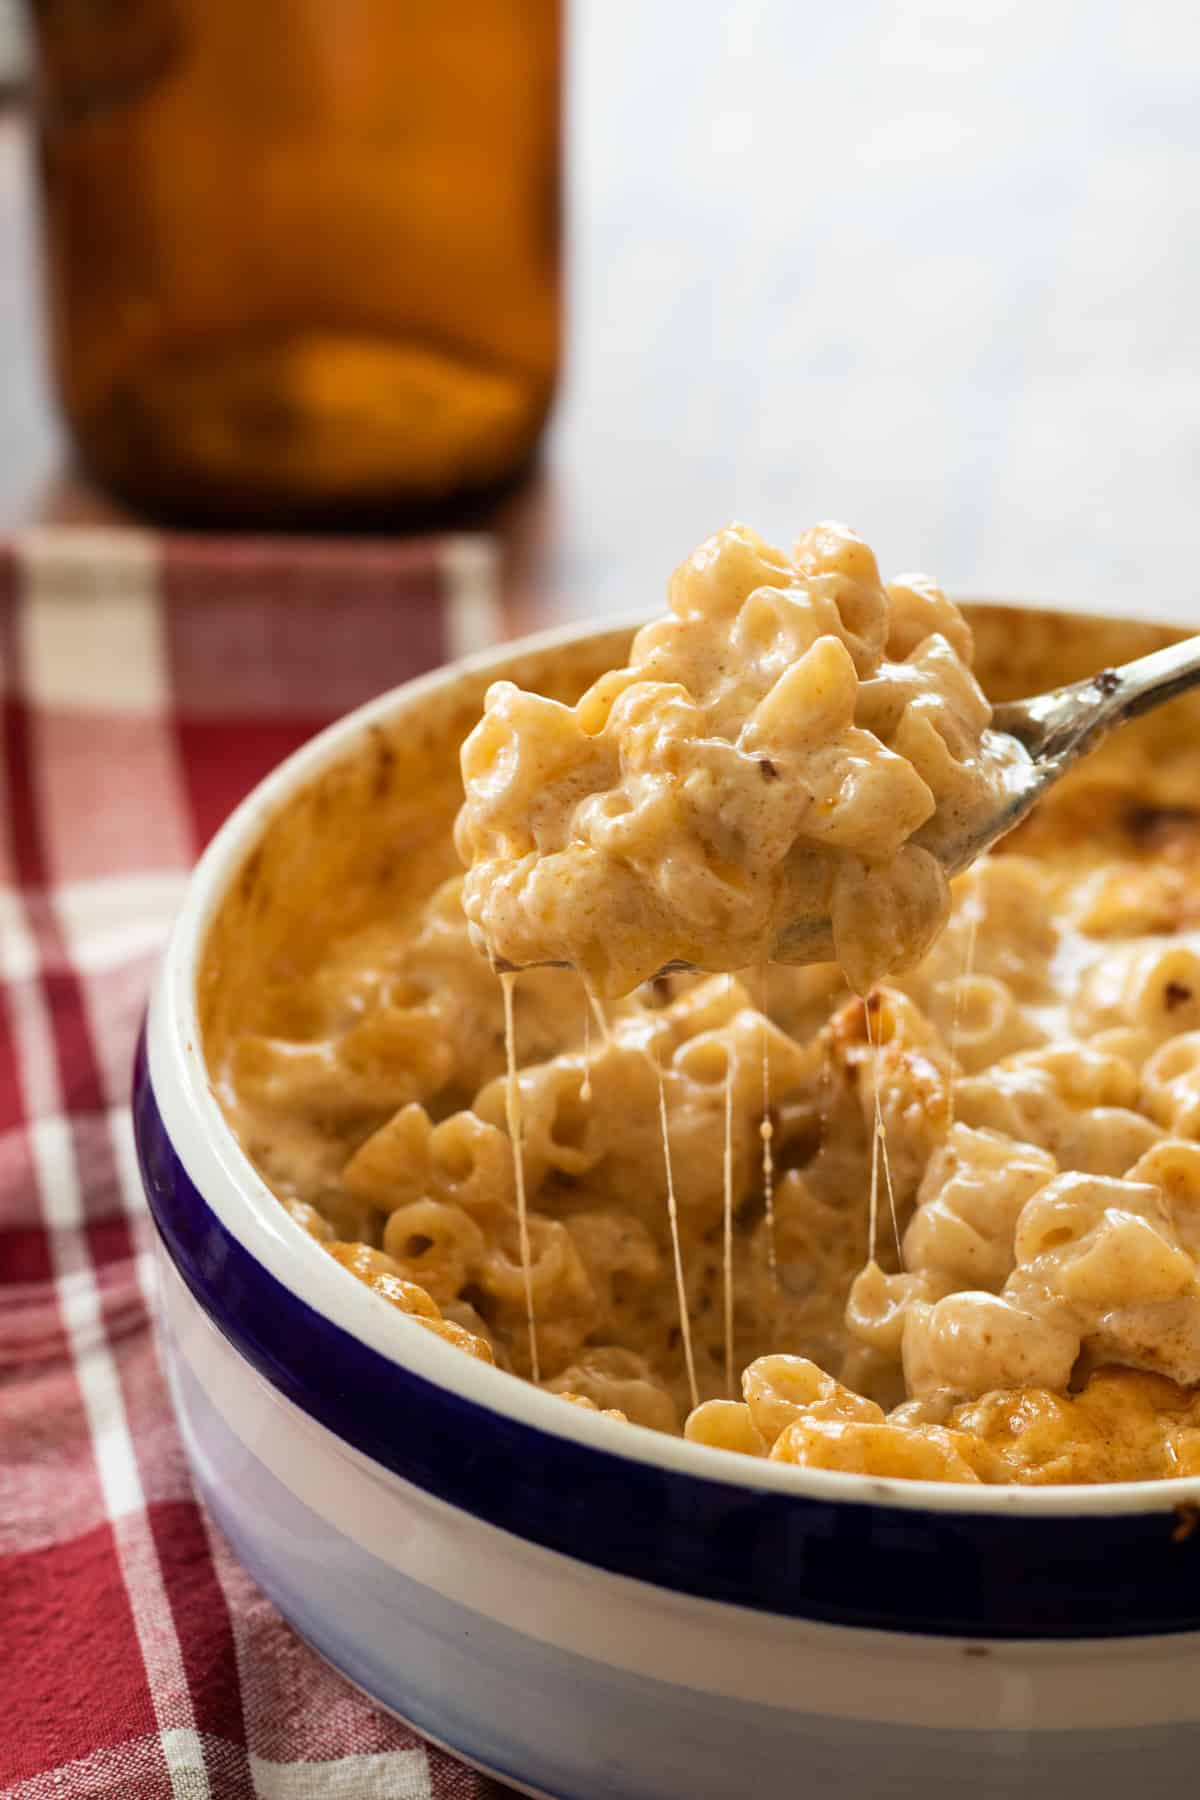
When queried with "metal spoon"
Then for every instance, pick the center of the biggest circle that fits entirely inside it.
(1056, 729)
(1036, 740)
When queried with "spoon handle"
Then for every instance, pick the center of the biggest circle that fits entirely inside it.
(1059, 726)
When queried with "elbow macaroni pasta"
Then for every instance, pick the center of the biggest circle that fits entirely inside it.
(788, 741)
(792, 742)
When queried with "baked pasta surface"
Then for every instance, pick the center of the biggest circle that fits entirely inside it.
(970, 1250)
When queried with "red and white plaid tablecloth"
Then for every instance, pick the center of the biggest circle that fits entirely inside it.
(147, 683)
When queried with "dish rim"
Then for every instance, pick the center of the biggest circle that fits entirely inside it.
(224, 1175)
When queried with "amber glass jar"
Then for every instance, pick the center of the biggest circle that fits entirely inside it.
(302, 256)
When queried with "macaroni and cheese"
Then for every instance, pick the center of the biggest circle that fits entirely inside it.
(947, 1224)
(772, 775)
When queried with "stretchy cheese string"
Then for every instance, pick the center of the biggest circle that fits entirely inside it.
(972, 910)
(879, 1147)
(727, 1211)
(887, 1176)
(512, 1107)
(673, 1216)
(767, 1133)
(596, 1007)
(873, 1204)
(585, 1086)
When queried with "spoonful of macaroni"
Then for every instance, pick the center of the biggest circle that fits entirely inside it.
(1054, 730)
(790, 767)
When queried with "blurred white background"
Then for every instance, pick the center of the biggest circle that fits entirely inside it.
(14, 48)
(933, 267)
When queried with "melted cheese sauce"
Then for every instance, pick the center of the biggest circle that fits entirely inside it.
(512, 1107)
(630, 1216)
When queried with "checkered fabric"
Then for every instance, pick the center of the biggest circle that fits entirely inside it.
(147, 683)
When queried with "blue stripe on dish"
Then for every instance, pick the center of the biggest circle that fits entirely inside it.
(880, 1567)
(569, 1725)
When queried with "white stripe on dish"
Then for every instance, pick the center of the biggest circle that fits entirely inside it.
(833, 1671)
